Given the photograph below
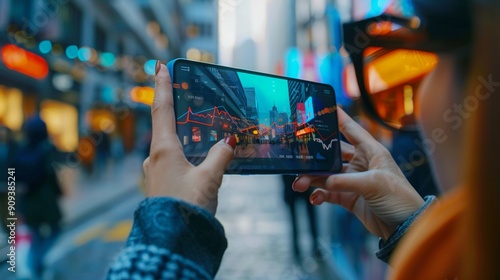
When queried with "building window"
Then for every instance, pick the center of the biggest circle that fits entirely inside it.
(99, 38)
(199, 29)
(70, 24)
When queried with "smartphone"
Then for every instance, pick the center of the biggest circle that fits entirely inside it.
(282, 125)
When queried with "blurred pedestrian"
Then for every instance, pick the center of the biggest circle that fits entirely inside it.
(292, 199)
(7, 153)
(102, 152)
(40, 191)
(117, 152)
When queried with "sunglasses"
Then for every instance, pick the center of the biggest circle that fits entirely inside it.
(391, 56)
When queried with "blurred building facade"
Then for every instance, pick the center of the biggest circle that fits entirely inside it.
(202, 29)
(88, 66)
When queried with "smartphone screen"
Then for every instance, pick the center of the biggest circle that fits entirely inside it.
(282, 125)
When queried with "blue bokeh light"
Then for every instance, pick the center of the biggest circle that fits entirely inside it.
(84, 54)
(72, 52)
(45, 46)
(149, 67)
(107, 59)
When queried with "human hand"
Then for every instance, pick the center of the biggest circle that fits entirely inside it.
(371, 184)
(168, 172)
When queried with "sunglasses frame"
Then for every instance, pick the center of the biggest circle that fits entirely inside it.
(413, 36)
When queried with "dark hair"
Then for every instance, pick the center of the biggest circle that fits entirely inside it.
(35, 130)
(482, 179)
(445, 19)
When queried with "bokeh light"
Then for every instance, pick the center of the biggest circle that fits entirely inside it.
(45, 46)
(207, 57)
(152, 28)
(72, 52)
(57, 49)
(161, 42)
(84, 53)
(193, 54)
(149, 67)
(144, 95)
(107, 59)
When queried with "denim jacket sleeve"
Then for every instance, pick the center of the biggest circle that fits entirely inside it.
(170, 239)
(387, 247)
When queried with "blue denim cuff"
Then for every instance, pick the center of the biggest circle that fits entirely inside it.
(182, 228)
(387, 247)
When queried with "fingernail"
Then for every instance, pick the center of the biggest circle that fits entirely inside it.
(314, 198)
(157, 67)
(231, 140)
(293, 184)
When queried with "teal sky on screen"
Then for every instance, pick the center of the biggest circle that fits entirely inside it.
(268, 91)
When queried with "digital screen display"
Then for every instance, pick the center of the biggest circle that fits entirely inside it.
(282, 126)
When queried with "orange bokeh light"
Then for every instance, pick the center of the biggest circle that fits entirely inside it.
(25, 62)
(143, 95)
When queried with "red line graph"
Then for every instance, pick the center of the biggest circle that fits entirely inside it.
(208, 119)
(324, 138)
(215, 112)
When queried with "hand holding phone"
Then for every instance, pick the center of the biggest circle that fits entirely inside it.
(282, 125)
(167, 171)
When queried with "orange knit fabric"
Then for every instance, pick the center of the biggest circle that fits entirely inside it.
(432, 248)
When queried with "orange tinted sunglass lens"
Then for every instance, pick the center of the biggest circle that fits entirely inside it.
(389, 68)
(397, 106)
(392, 78)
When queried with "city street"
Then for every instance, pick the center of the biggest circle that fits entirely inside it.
(262, 151)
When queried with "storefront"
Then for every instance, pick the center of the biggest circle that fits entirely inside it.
(26, 90)
(11, 107)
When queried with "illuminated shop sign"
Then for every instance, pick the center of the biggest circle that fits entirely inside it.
(24, 62)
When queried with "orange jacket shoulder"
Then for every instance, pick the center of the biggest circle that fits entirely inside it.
(432, 247)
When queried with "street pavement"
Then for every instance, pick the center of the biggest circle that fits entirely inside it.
(258, 229)
(261, 151)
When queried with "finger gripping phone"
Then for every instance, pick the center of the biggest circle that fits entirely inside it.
(282, 125)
